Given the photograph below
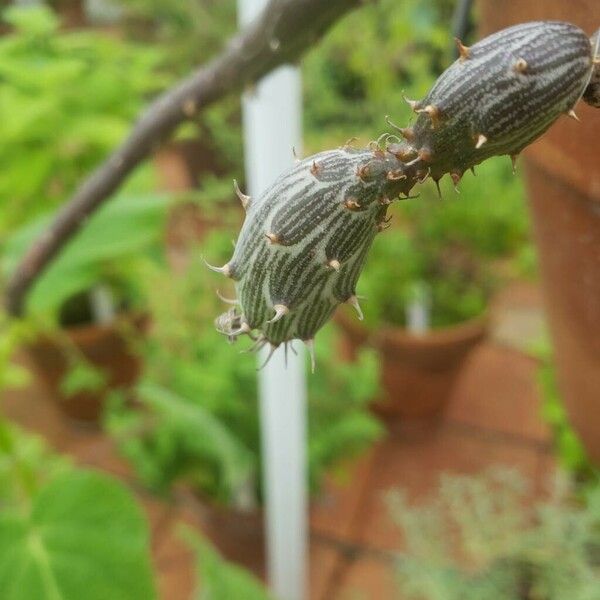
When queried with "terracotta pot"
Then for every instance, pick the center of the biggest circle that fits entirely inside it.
(105, 346)
(418, 372)
(563, 176)
(239, 536)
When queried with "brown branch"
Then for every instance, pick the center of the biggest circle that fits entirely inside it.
(285, 29)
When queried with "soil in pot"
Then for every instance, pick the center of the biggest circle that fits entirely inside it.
(106, 347)
(238, 535)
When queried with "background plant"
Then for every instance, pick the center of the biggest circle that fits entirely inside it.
(481, 537)
(71, 97)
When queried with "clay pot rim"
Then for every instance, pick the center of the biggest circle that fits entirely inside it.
(470, 329)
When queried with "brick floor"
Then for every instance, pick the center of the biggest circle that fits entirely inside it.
(493, 418)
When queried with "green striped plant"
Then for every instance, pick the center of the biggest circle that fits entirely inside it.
(304, 241)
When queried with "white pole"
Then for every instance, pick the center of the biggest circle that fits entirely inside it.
(272, 127)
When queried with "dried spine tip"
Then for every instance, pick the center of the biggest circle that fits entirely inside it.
(521, 65)
(244, 328)
(224, 270)
(571, 113)
(464, 52)
(481, 140)
(310, 345)
(513, 159)
(352, 204)
(396, 175)
(272, 349)
(334, 264)
(273, 238)
(315, 168)
(233, 301)
(244, 199)
(363, 172)
(415, 105)
(353, 302)
(280, 311)
(433, 112)
(406, 132)
(425, 154)
(402, 152)
(456, 176)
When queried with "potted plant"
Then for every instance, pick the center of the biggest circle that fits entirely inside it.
(195, 420)
(483, 537)
(85, 307)
(428, 283)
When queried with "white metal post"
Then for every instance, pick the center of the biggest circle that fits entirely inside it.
(272, 127)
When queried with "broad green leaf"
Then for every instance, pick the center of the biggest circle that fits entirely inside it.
(122, 229)
(82, 538)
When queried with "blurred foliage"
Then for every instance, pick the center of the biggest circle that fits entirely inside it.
(65, 532)
(25, 466)
(13, 334)
(198, 419)
(482, 537)
(367, 62)
(454, 252)
(192, 31)
(71, 98)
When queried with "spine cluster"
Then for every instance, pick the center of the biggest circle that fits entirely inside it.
(304, 241)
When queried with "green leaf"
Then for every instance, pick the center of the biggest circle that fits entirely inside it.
(82, 537)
